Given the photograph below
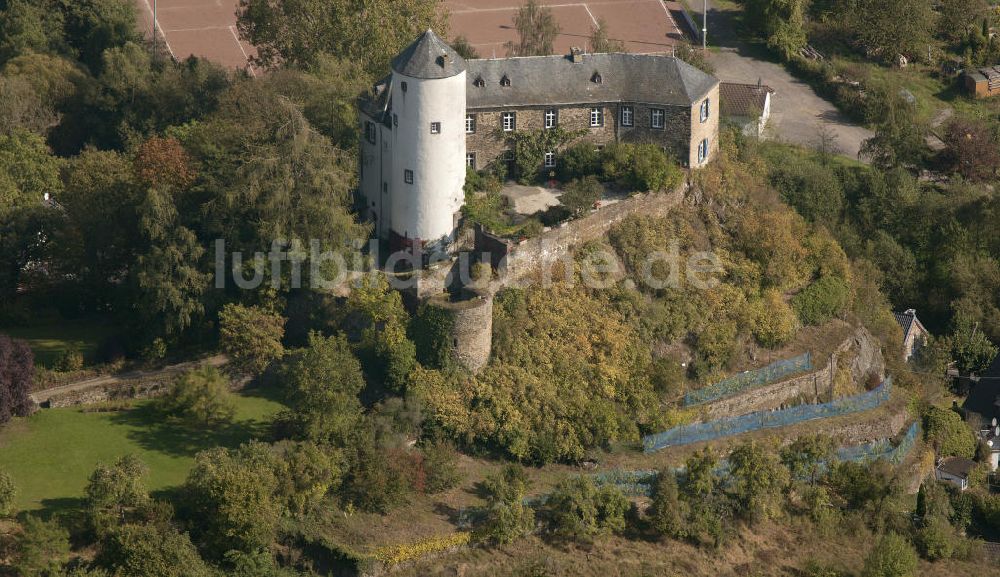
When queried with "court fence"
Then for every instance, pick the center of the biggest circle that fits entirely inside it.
(711, 430)
(750, 380)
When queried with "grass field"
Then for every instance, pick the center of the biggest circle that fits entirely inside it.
(49, 340)
(51, 454)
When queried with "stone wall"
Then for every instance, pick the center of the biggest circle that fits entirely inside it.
(516, 261)
(861, 349)
(131, 390)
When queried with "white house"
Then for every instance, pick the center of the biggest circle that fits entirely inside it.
(747, 106)
(955, 470)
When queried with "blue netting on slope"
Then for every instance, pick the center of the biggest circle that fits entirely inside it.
(640, 483)
(749, 380)
(686, 434)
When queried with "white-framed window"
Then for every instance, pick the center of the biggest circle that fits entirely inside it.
(435, 128)
(470, 160)
(706, 109)
(628, 116)
(656, 118)
(550, 159)
(596, 117)
(703, 151)
(470, 123)
(408, 176)
(551, 118)
(509, 121)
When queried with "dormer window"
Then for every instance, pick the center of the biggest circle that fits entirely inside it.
(505, 81)
(596, 78)
(479, 82)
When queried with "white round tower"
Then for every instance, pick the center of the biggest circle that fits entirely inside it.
(428, 132)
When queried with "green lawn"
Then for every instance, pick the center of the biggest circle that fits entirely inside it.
(50, 339)
(51, 454)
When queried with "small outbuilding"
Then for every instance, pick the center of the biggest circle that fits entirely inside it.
(747, 106)
(914, 333)
(982, 82)
(955, 470)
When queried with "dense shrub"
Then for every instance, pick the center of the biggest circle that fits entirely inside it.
(506, 516)
(579, 195)
(822, 300)
(17, 364)
(949, 434)
(578, 161)
(8, 493)
(892, 556)
(652, 170)
(42, 548)
(581, 363)
(251, 337)
(440, 464)
(200, 397)
(230, 499)
(152, 551)
(578, 510)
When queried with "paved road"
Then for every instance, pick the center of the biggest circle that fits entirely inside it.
(796, 111)
(42, 396)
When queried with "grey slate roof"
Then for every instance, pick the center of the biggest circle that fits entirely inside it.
(429, 58)
(906, 321)
(984, 398)
(957, 466)
(553, 80)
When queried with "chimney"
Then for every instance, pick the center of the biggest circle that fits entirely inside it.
(911, 312)
(575, 54)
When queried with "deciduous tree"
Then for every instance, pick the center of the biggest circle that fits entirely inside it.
(296, 32)
(536, 30)
(17, 367)
(251, 337)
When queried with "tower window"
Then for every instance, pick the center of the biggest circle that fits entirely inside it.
(470, 123)
(370, 132)
(509, 121)
(470, 160)
(656, 118)
(402, 86)
(551, 118)
(596, 117)
(703, 151)
(628, 116)
(505, 81)
(435, 128)
(705, 110)
(550, 159)
(408, 176)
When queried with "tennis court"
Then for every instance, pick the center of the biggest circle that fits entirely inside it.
(205, 28)
(643, 25)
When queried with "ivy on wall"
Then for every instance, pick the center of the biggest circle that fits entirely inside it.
(530, 146)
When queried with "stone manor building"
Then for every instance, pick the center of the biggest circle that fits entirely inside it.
(438, 114)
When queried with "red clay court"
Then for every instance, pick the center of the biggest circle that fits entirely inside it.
(207, 28)
(204, 28)
(644, 25)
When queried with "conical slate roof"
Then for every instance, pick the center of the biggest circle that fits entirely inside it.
(429, 57)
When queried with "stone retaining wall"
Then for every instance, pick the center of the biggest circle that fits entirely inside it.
(865, 356)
